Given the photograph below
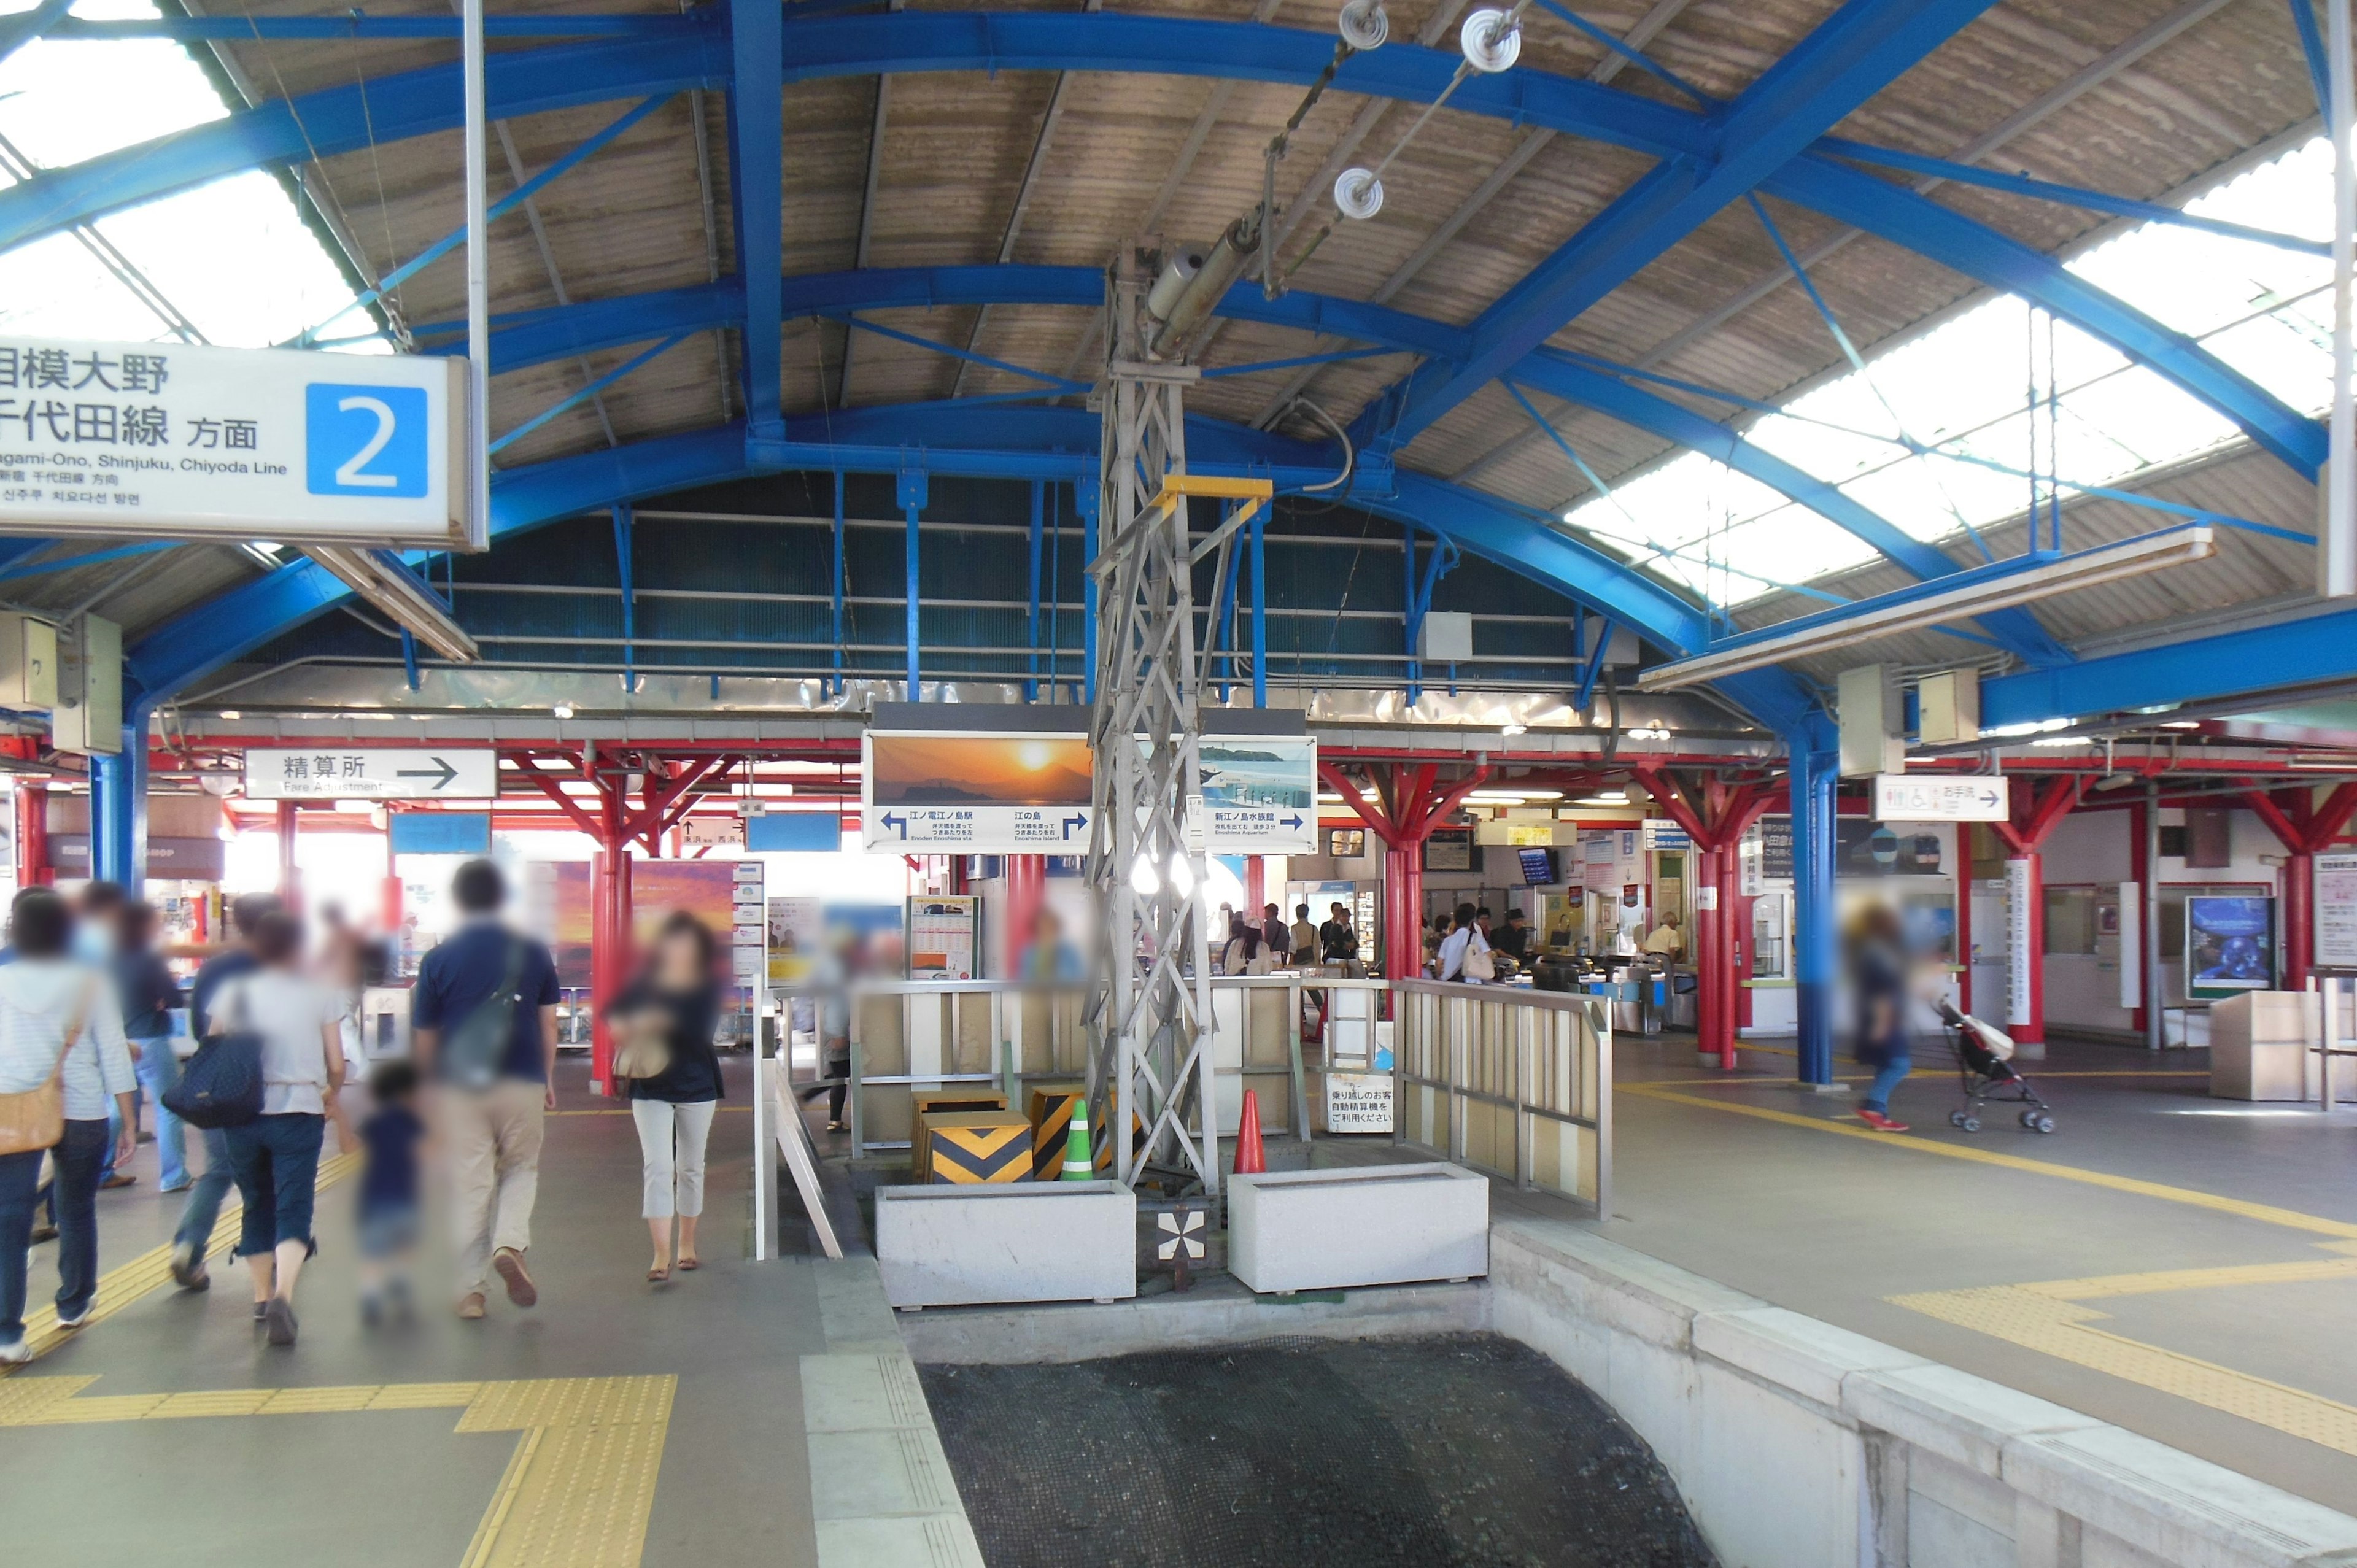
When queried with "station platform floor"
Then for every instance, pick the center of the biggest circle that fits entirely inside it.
(2183, 1267)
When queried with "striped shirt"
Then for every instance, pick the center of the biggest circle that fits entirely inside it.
(37, 997)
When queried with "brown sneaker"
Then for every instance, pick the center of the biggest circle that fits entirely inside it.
(471, 1307)
(507, 1263)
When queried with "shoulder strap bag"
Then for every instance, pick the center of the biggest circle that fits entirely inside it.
(221, 1084)
(36, 1118)
(477, 1049)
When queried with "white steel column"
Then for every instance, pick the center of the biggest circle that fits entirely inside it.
(1150, 1062)
(2337, 546)
(478, 286)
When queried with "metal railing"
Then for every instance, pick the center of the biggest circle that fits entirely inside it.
(1517, 1083)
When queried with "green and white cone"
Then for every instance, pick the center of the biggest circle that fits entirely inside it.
(1077, 1164)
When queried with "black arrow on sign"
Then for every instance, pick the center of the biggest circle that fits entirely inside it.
(441, 777)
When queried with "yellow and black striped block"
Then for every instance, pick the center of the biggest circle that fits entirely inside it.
(930, 1102)
(1052, 1122)
(978, 1147)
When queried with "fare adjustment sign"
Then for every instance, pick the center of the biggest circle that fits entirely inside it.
(360, 773)
(176, 441)
(1969, 798)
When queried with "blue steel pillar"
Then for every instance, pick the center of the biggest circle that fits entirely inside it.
(838, 582)
(118, 810)
(1814, 771)
(1086, 497)
(1038, 542)
(914, 492)
(1259, 612)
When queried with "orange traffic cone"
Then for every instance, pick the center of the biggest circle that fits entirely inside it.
(1249, 1160)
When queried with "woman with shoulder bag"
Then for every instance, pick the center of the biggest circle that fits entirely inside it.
(275, 1156)
(664, 1025)
(1465, 954)
(62, 1060)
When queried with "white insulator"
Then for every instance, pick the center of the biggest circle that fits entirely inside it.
(1492, 40)
(1177, 273)
(1358, 194)
(1363, 25)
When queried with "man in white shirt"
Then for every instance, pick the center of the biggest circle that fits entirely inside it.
(1665, 940)
(1460, 946)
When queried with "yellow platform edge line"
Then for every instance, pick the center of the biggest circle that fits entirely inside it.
(2266, 1214)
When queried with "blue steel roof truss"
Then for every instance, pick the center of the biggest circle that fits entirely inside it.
(1769, 139)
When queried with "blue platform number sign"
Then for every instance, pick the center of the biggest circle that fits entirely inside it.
(364, 440)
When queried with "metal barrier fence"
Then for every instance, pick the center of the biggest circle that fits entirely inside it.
(1515, 1082)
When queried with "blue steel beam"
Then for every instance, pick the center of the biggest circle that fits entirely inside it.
(2287, 653)
(24, 27)
(200, 640)
(527, 81)
(355, 26)
(1981, 253)
(1853, 56)
(757, 135)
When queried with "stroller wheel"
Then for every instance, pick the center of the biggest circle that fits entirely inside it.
(1970, 1124)
(1955, 1118)
(2029, 1119)
(2044, 1123)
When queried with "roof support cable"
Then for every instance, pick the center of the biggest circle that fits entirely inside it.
(1350, 457)
(1857, 363)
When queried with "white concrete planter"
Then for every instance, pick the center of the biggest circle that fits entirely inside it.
(955, 1246)
(1382, 1225)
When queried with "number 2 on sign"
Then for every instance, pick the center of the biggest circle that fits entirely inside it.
(351, 472)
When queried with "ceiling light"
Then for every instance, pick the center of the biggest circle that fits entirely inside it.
(563, 710)
(1513, 729)
(1142, 879)
(1960, 596)
(232, 714)
(1183, 875)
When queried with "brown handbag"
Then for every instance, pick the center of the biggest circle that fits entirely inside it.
(34, 1119)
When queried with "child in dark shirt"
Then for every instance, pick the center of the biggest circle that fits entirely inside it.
(389, 1192)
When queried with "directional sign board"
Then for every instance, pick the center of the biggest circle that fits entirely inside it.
(1016, 793)
(1260, 794)
(1972, 798)
(172, 441)
(354, 773)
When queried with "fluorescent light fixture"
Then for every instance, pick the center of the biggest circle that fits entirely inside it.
(563, 710)
(1513, 729)
(379, 578)
(232, 714)
(1964, 595)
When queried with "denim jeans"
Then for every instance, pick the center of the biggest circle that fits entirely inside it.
(19, 1176)
(205, 1198)
(159, 1070)
(276, 1159)
(1878, 1094)
(79, 1155)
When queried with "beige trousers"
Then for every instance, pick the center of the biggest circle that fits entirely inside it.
(493, 1141)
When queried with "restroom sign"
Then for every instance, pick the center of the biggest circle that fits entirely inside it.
(176, 440)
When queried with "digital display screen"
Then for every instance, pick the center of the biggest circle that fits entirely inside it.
(1538, 867)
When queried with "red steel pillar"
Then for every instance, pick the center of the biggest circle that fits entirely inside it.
(1403, 934)
(1255, 888)
(1027, 895)
(2139, 873)
(2303, 828)
(1711, 971)
(1734, 998)
(390, 890)
(33, 836)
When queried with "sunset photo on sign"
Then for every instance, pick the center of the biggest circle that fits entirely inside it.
(978, 770)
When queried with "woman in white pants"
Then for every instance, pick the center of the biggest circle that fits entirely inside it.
(664, 1026)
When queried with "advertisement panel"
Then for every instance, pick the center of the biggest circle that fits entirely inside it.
(2229, 945)
(1260, 793)
(974, 793)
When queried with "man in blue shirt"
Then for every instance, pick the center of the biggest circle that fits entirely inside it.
(477, 974)
(212, 1183)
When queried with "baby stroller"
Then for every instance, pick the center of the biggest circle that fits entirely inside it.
(1985, 1068)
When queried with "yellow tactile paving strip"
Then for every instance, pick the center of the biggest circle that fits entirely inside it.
(122, 1285)
(577, 1494)
(2047, 1316)
(2264, 1213)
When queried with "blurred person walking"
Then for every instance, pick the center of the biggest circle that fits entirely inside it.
(60, 1025)
(275, 1156)
(202, 1212)
(98, 910)
(391, 1202)
(1876, 953)
(664, 1022)
(484, 1019)
(146, 993)
(1245, 953)
(1464, 954)
(1049, 959)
